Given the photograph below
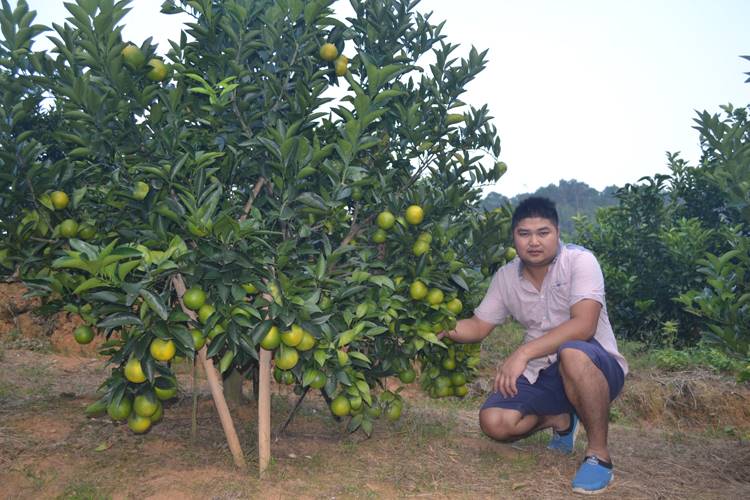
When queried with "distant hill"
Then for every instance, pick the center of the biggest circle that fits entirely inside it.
(571, 197)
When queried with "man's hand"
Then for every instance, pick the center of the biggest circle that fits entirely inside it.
(508, 373)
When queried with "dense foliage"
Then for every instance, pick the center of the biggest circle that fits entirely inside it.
(232, 166)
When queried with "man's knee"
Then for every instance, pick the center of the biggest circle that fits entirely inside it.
(499, 424)
(572, 359)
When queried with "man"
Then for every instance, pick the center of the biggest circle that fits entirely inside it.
(568, 367)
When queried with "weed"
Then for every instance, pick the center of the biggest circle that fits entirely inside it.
(82, 491)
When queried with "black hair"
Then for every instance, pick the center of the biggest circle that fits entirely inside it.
(535, 206)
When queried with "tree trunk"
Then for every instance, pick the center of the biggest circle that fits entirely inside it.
(233, 388)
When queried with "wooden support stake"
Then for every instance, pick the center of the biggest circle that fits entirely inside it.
(264, 410)
(217, 393)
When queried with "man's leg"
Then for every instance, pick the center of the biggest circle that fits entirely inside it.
(511, 425)
(588, 390)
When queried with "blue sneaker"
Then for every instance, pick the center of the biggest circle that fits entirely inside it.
(565, 443)
(593, 476)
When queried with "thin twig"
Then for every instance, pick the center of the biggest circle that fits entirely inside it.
(249, 205)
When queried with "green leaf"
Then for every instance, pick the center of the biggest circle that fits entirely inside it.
(88, 285)
(119, 319)
(155, 303)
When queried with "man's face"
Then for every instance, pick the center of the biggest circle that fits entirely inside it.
(535, 239)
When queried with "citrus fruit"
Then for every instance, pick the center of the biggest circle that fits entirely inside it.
(86, 231)
(385, 220)
(407, 376)
(355, 402)
(59, 199)
(145, 404)
(272, 339)
(341, 65)
(158, 71)
(307, 342)
(317, 378)
(96, 409)
(194, 298)
(139, 424)
(83, 334)
(460, 391)
(198, 340)
(418, 290)
(121, 410)
(204, 312)
(140, 190)
(165, 388)
(393, 412)
(379, 236)
(458, 379)
(373, 411)
(455, 306)
(216, 330)
(328, 52)
(340, 406)
(133, 56)
(342, 357)
(68, 228)
(158, 414)
(293, 336)
(425, 237)
(510, 253)
(134, 371)
(414, 215)
(286, 358)
(435, 296)
(162, 350)
(420, 247)
(449, 364)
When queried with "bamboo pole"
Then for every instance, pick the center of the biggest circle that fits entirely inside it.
(264, 411)
(214, 385)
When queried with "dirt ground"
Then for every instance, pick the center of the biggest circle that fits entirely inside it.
(673, 436)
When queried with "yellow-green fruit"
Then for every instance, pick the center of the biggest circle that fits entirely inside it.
(414, 215)
(145, 404)
(407, 376)
(425, 237)
(510, 253)
(140, 190)
(460, 391)
(420, 247)
(194, 298)
(121, 410)
(328, 52)
(83, 334)
(158, 414)
(455, 306)
(134, 371)
(341, 65)
(133, 56)
(198, 339)
(379, 236)
(293, 336)
(165, 388)
(418, 290)
(272, 339)
(68, 228)
(162, 350)
(139, 424)
(342, 357)
(204, 312)
(307, 342)
(355, 402)
(59, 199)
(385, 220)
(216, 330)
(158, 71)
(458, 379)
(340, 406)
(393, 412)
(316, 377)
(86, 231)
(435, 296)
(449, 364)
(286, 358)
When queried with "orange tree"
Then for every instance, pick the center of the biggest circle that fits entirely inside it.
(252, 162)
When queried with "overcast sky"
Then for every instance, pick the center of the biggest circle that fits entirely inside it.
(593, 90)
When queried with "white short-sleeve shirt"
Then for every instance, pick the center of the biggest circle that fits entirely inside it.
(574, 275)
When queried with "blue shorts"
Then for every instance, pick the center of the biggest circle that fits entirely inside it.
(547, 396)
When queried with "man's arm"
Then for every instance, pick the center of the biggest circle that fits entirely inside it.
(469, 331)
(584, 316)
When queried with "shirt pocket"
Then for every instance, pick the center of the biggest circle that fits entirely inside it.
(558, 298)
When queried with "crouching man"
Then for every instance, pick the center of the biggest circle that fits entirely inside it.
(568, 369)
